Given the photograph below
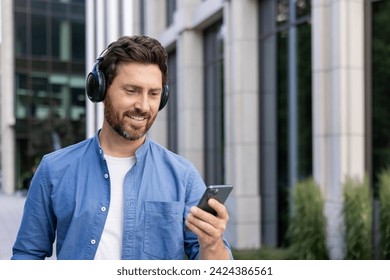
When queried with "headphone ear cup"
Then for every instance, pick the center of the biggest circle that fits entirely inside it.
(95, 84)
(164, 97)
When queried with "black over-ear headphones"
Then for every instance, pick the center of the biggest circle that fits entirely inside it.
(96, 86)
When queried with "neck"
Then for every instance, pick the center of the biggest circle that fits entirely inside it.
(115, 145)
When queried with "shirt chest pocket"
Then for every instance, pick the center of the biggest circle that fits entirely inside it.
(164, 229)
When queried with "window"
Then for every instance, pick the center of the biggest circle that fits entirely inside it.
(21, 28)
(39, 33)
(294, 127)
(214, 105)
(286, 122)
(78, 41)
(294, 91)
(171, 8)
(379, 90)
(172, 102)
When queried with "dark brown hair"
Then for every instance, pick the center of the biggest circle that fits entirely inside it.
(140, 49)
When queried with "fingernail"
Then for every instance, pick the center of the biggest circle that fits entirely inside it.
(193, 210)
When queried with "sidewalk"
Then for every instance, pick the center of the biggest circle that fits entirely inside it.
(10, 217)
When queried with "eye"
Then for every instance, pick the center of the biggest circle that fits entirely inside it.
(130, 90)
(155, 93)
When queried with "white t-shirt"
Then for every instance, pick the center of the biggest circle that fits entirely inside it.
(110, 245)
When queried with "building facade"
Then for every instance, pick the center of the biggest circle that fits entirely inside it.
(42, 83)
(267, 93)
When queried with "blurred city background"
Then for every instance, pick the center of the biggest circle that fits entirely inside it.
(263, 95)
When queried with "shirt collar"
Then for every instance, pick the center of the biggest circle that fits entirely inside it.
(139, 153)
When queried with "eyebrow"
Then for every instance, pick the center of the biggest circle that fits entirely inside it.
(139, 88)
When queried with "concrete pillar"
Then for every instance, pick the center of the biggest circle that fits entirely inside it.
(91, 126)
(155, 13)
(189, 45)
(190, 97)
(242, 119)
(7, 99)
(338, 105)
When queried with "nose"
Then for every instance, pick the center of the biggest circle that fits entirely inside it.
(142, 102)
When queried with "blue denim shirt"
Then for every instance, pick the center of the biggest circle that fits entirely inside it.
(69, 199)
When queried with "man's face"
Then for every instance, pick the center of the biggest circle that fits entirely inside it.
(132, 100)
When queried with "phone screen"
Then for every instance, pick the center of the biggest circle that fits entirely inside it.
(218, 192)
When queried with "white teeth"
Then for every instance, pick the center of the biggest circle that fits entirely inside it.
(137, 118)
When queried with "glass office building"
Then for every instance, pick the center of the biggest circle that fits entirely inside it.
(49, 50)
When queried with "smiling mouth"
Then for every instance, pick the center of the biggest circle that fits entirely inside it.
(137, 118)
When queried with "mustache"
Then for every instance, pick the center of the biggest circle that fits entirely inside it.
(137, 113)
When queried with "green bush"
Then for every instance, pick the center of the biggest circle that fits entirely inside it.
(264, 253)
(384, 213)
(307, 230)
(357, 219)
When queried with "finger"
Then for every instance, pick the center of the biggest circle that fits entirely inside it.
(203, 215)
(200, 228)
(200, 217)
(219, 208)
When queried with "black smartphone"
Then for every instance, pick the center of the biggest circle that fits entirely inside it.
(218, 192)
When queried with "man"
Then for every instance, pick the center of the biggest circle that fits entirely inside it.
(119, 195)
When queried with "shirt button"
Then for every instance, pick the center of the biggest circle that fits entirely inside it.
(103, 209)
(101, 151)
(106, 175)
(93, 241)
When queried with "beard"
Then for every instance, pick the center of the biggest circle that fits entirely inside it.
(129, 131)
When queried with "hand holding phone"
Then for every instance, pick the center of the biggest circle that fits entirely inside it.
(218, 192)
